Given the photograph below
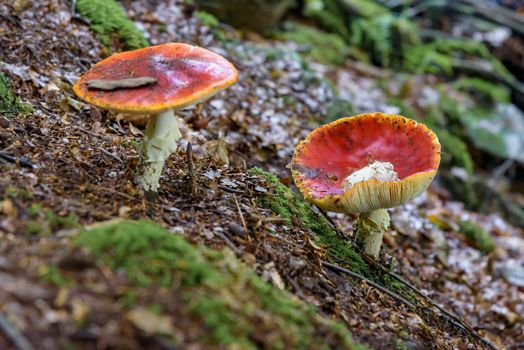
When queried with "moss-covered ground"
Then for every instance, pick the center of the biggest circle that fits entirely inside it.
(109, 20)
(295, 210)
(135, 285)
(237, 307)
(10, 104)
(477, 236)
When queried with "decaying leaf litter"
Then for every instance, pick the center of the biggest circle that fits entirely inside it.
(78, 171)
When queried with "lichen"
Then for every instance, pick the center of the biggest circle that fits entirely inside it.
(108, 18)
(477, 236)
(10, 104)
(236, 306)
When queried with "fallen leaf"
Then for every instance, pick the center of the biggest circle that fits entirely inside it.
(150, 322)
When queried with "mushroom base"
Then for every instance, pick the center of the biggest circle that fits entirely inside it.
(159, 143)
(370, 230)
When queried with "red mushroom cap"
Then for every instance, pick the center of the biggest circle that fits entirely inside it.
(185, 75)
(334, 151)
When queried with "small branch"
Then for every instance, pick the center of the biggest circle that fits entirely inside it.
(16, 338)
(191, 169)
(368, 281)
(114, 156)
(23, 162)
(457, 321)
(231, 190)
(228, 242)
(89, 132)
(240, 213)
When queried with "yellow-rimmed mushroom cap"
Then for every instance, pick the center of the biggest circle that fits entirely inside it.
(185, 75)
(334, 151)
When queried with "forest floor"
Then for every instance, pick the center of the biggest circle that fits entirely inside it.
(73, 167)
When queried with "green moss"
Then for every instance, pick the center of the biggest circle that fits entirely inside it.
(483, 90)
(44, 221)
(52, 275)
(384, 38)
(437, 56)
(399, 345)
(10, 105)
(16, 192)
(328, 14)
(455, 151)
(477, 236)
(292, 208)
(323, 47)
(147, 254)
(363, 8)
(58, 222)
(339, 108)
(108, 18)
(212, 22)
(206, 19)
(237, 307)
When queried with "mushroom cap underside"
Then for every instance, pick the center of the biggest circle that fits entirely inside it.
(334, 151)
(185, 75)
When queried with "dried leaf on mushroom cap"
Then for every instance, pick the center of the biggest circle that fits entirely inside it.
(185, 75)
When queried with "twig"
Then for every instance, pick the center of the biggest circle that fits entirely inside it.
(228, 242)
(16, 338)
(191, 169)
(368, 281)
(240, 213)
(76, 16)
(23, 162)
(232, 190)
(105, 138)
(456, 320)
(107, 189)
(114, 156)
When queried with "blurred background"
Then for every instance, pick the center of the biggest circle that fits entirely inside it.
(454, 65)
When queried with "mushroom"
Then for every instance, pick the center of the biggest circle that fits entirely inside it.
(366, 164)
(156, 81)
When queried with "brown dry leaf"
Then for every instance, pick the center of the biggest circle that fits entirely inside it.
(80, 310)
(7, 207)
(217, 150)
(272, 275)
(149, 322)
(134, 130)
(61, 297)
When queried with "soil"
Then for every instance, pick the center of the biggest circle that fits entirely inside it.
(75, 165)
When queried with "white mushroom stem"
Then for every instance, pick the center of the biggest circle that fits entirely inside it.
(159, 143)
(371, 226)
(370, 230)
